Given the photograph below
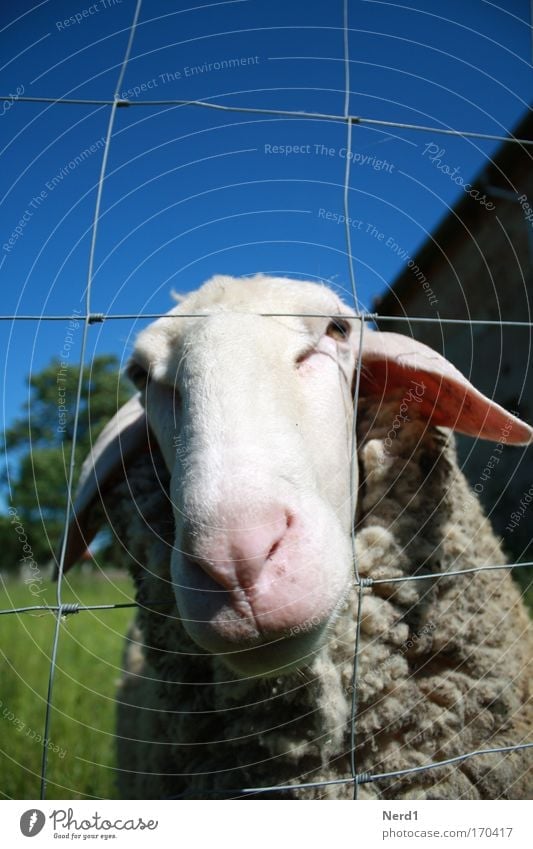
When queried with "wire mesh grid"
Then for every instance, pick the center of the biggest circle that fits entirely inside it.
(62, 609)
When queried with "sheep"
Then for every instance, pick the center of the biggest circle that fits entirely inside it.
(228, 480)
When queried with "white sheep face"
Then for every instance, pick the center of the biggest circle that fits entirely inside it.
(253, 415)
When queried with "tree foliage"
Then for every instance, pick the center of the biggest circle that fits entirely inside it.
(38, 447)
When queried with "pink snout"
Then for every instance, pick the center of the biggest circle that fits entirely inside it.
(236, 558)
(262, 584)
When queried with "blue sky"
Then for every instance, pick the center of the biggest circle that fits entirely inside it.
(192, 192)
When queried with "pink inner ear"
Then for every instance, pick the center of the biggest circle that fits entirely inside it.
(392, 362)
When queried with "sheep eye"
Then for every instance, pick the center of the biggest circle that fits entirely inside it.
(338, 329)
(137, 374)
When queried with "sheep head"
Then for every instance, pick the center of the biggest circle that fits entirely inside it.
(253, 414)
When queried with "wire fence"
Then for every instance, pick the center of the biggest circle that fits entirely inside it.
(278, 113)
(62, 609)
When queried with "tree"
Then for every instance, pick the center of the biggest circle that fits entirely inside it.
(38, 446)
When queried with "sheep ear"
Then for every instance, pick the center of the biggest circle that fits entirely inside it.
(124, 436)
(393, 362)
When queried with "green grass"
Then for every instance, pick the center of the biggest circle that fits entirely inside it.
(81, 754)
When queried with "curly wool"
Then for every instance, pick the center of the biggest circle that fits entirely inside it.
(442, 662)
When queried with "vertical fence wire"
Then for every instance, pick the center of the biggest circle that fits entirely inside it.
(72, 461)
(353, 436)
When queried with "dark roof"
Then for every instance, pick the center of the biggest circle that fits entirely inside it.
(507, 162)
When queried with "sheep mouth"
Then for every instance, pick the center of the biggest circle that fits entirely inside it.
(250, 639)
(276, 658)
(258, 656)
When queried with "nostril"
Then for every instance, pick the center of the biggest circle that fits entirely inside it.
(273, 549)
(237, 555)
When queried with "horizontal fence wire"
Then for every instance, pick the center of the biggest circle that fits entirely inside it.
(74, 607)
(62, 609)
(279, 113)
(99, 318)
(367, 777)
